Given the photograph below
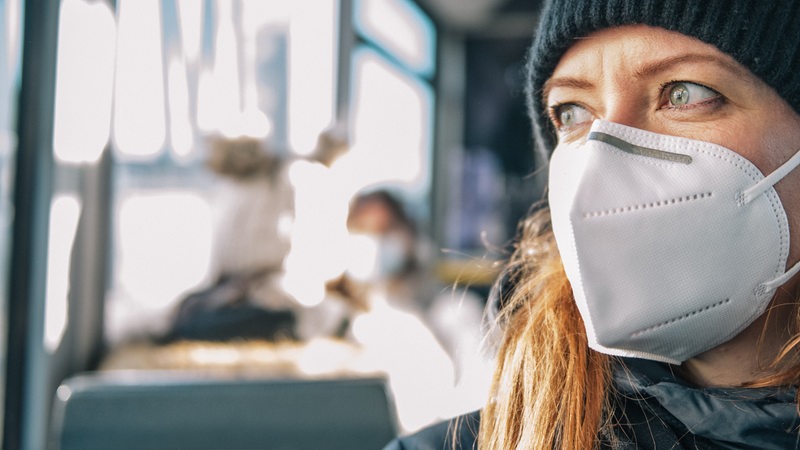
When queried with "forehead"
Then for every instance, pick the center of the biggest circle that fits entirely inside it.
(637, 50)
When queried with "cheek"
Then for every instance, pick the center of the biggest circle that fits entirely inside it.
(768, 142)
(789, 194)
(764, 141)
(790, 199)
(777, 148)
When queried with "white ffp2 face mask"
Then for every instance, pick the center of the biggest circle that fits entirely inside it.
(672, 246)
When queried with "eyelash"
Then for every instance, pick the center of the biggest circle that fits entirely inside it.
(552, 114)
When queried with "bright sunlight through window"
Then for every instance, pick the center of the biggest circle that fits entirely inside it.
(139, 113)
(400, 27)
(311, 66)
(394, 142)
(64, 214)
(84, 80)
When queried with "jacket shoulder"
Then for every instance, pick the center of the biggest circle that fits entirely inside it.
(463, 430)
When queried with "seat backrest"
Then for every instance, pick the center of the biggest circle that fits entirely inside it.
(173, 411)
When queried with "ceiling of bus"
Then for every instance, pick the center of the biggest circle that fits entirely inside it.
(513, 17)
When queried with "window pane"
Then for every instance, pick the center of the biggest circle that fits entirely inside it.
(311, 66)
(83, 96)
(402, 29)
(139, 114)
(229, 72)
(391, 144)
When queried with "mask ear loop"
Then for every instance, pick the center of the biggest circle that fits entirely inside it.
(759, 188)
(770, 180)
(773, 284)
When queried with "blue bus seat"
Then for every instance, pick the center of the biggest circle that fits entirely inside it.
(121, 410)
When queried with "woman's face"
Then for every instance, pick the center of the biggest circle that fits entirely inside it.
(668, 83)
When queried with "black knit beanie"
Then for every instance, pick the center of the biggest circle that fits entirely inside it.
(762, 35)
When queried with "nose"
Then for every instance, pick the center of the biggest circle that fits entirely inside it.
(622, 106)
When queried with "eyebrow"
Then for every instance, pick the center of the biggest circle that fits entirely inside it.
(646, 70)
(652, 68)
(565, 82)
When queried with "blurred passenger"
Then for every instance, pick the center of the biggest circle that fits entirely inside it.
(409, 307)
(255, 218)
(293, 263)
(390, 241)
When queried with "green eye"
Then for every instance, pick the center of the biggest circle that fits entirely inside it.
(685, 94)
(570, 115)
(566, 117)
(679, 95)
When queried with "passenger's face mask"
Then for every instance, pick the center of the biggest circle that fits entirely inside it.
(378, 257)
(672, 246)
(392, 255)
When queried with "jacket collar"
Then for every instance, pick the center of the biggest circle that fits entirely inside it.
(763, 418)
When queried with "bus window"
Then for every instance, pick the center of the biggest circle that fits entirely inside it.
(213, 80)
(274, 73)
(202, 73)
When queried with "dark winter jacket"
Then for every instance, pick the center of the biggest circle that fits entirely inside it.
(654, 409)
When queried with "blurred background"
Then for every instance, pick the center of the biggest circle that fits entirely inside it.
(257, 188)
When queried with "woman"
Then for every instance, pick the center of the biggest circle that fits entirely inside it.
(654, 304)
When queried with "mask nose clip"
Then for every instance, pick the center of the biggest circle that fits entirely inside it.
(634, 149)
